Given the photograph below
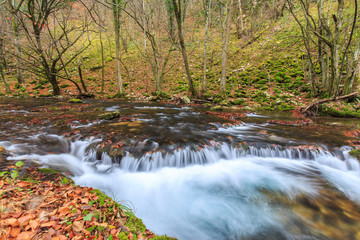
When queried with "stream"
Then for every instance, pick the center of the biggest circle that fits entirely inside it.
(190, 175)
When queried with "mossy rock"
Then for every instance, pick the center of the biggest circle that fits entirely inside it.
(109, 116)
(115, 153)
(355, 153)
(217, 108)
(185, 100)
(75, 100)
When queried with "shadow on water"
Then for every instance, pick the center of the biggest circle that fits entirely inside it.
(191, 176)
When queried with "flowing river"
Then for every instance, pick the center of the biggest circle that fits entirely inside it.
(189, 175)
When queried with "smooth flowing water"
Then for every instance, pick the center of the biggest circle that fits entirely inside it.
(189, 176)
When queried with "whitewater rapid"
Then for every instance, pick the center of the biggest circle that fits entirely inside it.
(214, 192)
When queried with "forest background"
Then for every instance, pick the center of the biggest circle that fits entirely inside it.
(275, 54)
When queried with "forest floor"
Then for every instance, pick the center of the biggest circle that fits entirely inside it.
(44, 204)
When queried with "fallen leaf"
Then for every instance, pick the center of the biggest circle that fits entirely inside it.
(34, 203)
(88, 217)
(14, 232)
(25, 220)
(23, 184)
(48, 224)
(64, 211)
(25, 236)
(79, 237)
(34, 224)
(78, 226)
(9, 222)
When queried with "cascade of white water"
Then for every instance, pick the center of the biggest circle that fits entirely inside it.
(217, 191)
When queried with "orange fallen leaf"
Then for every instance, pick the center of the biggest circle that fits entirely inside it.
(25, 236)
(34, 224)
(64, 211)
(14, 232)
(25, 220)
(48, 224)
(23, 184)
(78, 226)
(9, 222)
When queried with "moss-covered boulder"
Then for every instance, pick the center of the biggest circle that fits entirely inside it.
(110, 115)
(75, 100)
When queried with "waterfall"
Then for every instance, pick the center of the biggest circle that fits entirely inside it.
(214, 191)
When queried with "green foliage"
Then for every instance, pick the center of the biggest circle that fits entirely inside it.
(39, 86)
(19, 164)
(14, 173)
(88, 217)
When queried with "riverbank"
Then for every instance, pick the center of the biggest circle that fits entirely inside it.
(44, 204)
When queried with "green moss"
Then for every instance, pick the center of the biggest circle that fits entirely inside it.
(109, 116)
(355, 153)
(75, 100)
(217, 108)
(48, 171)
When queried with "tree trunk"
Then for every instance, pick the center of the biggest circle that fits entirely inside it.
(179, 16)
(2, 67)
(225, 44)
(19, 66)
(208, 15)
(240, 21)
(53, 81)
(116, 15)
(82, 80)
(102, 63)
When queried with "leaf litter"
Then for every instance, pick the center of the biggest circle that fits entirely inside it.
(57, 209)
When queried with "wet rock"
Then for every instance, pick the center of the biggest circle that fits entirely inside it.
(115, 152)
(110, 116)
(185, 100)
(3, 154)
(3, 150)
(56, 144)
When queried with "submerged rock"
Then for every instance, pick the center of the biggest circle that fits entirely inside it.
(110, 116)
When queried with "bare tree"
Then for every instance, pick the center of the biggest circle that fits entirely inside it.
(50, 39)
(332, 32)
(151, 22)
